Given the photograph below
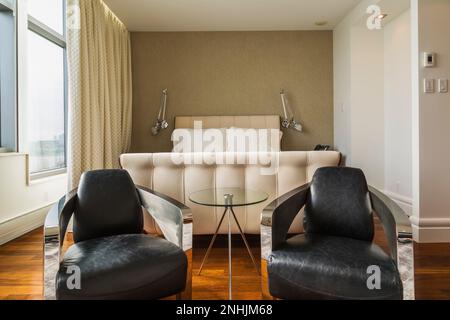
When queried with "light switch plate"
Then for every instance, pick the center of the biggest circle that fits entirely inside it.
(443, 85)
(428, 85)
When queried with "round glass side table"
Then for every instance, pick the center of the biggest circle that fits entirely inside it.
(228, 198)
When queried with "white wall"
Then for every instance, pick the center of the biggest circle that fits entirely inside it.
(416, 154)
(367, 99)
(23, 206)
(373, 97)
(342, 110)
(342, 40)
(398, 110)
(431, 28)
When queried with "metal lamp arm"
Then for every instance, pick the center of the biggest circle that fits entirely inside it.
(161, 123)
(163, 106)
(288, 115)
(289, 122)
(283, 101)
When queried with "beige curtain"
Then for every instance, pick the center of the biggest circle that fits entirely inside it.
(100, 89)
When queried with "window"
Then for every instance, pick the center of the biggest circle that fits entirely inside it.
(7, 76)
(45, 120)
(46, 100)
(48, 12)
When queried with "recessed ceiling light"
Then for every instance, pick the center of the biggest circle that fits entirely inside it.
(321, 23)
(382, 16)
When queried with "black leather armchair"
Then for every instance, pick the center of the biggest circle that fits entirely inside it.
(114, 257)
(332, 259)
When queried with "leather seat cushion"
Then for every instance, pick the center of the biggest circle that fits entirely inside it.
(123, 267)
(325, 267)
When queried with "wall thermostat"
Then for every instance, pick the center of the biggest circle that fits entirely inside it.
(429, 59)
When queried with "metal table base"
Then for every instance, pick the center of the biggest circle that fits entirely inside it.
(230, 211)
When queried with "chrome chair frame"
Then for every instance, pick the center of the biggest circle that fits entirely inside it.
(395, 223)
(173, 218)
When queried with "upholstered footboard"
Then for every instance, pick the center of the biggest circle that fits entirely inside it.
(179, 175)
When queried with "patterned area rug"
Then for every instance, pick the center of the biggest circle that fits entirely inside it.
(406, 268)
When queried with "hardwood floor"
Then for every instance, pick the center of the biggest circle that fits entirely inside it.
(21, 270)
(432, 265)
(213, 283)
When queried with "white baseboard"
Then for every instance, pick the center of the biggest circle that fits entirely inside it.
(431, 235)
(431, 230)
(17, 227)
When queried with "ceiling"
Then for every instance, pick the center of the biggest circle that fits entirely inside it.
(229, 15)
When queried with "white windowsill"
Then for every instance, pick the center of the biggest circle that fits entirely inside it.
(34, 182)
(11, 154)
(44, 177)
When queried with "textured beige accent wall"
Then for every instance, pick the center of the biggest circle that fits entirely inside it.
(233, 73)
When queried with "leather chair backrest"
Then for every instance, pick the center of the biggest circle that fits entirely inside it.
(108, 204)
(339, 204)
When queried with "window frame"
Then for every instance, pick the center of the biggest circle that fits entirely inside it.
(12, 144)
(51, 35)
(7, 5)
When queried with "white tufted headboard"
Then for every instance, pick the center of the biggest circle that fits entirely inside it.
(231, 141)
(218, 122)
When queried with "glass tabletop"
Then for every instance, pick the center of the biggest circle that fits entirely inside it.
(238, 197)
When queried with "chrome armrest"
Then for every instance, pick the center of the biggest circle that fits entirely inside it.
(176, 223)
(173, 218)
(398, 230)
(277, 219)
(55, 228)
